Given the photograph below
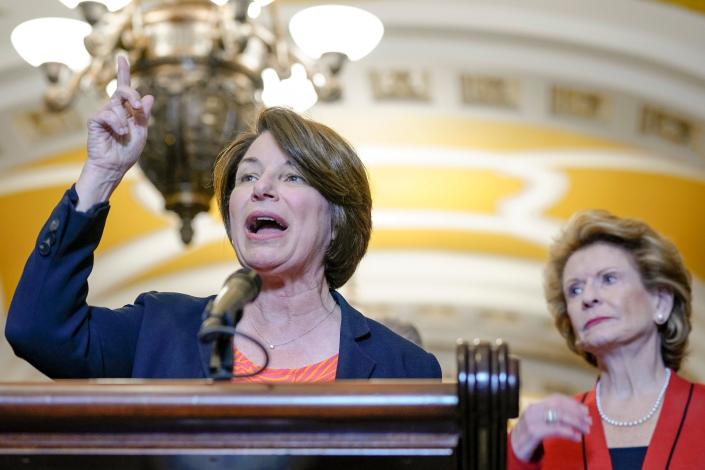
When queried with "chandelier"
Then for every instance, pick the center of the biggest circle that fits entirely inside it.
(209, 65)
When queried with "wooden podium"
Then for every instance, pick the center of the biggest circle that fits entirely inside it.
(204, 424)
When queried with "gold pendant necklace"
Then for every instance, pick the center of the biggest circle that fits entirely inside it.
(272, 345)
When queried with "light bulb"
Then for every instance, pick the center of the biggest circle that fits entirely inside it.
(319, 79)
(296, 92)
(270, 88)
(254, 10)
(111, 87)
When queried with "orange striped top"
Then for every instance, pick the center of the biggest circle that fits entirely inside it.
(320, 372)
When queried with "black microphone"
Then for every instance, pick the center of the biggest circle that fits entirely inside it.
(238, 290)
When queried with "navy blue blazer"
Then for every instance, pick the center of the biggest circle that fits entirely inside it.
(51, 326)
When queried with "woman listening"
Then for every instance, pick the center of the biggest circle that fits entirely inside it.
(621, 297)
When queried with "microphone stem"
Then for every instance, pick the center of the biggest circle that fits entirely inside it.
(221, 360)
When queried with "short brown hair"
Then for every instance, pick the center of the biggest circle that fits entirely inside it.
(329, 164)
(657, 259)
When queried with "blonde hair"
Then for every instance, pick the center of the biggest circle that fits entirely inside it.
(329, 164)
(657, 259)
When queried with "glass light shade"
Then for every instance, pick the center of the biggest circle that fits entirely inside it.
(253, 10)
(112, 5)
(296, 92)
(336, 28)
(111, 87)
(44, 40)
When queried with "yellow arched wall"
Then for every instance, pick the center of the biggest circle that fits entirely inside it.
(693, 5)
(464, 133)
(672, 204)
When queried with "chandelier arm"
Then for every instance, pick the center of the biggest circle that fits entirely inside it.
(226, 39)
(240, 11)
(139, 36)
(230, 38)
(273, 9)
(281, 49)
(105, 36)
(59, 96)
(263, 34)
(92, 11)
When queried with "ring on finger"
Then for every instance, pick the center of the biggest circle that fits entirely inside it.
(551, 416)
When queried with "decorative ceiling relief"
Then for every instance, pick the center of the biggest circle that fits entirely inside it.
(484, 90)
(671, 128)
(580, 104)
(401, 85)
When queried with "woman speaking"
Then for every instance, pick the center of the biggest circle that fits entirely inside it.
(296, 204)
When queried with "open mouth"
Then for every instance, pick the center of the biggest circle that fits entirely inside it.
(257, 223)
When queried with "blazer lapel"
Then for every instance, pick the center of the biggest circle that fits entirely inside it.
(667, 426)
(205, 350)
(662, 439)
(353, 362)
(596, 451)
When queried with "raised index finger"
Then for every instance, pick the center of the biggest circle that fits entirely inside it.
(123, 72)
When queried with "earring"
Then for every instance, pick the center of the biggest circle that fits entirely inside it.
(660, 319)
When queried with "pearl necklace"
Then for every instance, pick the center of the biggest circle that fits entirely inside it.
(635, 422)
(271, 345)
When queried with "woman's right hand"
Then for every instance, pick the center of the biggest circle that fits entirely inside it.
(556, 416)
(117, 134)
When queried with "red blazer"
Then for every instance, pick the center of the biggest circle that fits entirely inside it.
(680, 431)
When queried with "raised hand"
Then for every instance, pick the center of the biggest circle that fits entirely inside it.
(117, 134)
(556, 416)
